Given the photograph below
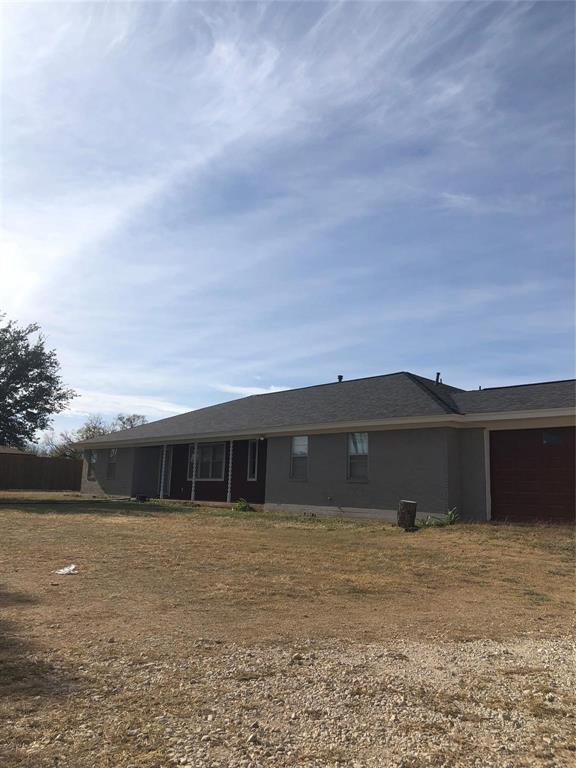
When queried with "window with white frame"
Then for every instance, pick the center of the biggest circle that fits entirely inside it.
(111, 464)
(358, 456)
(299, 458)
(210, 460)
(90, 465)
(252, 460)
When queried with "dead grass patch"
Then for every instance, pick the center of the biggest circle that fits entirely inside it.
(163, 587)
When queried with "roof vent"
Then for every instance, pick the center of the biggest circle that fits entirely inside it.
(340, 378)
(438, 379)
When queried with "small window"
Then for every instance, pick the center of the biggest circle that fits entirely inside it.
(358, 456)
(299, 458)
(209, 462)
(111, 465)
(90, 465)
(252, 459)
(552, 437)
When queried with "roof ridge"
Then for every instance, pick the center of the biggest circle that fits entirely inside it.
(324, 384)
(515, 386)
(419, 381)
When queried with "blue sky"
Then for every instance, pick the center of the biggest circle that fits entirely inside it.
(202, 201)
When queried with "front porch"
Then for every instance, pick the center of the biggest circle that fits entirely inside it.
(222, 471)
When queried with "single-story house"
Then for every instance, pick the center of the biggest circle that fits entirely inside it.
(357, 447)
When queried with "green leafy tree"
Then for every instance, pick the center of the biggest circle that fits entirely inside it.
(31, 388)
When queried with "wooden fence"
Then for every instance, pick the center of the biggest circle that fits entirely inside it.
(23, 471)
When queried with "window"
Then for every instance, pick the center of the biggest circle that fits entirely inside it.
(209, 461)
(358, 456)
(299, 458)
(91, 465)
(111, 465)
(252, 460)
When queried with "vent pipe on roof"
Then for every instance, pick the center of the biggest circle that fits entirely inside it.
(340, 378)
(438, 379)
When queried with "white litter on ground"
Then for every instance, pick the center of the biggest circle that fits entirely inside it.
(68, 570)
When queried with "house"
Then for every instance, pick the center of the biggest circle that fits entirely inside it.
(357, 447)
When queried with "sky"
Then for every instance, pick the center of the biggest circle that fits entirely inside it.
(204, 201)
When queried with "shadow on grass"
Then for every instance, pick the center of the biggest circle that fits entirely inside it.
(91, 507)
(155, 509)
(22, 672)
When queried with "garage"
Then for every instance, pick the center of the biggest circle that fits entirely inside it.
(532, 474)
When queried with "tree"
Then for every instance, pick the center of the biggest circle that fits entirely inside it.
(94, 426)
(128, 421)
(31, 389)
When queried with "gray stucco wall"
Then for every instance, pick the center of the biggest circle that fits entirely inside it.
(440, 468)
(403, 464)
(472, 497)
(121, 484)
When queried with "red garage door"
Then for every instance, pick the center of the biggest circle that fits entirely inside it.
(532, 474)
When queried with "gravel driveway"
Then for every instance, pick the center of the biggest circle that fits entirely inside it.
(479, 703)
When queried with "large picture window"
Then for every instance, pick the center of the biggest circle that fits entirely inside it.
(358, 456)
(252, 460)
(299, 458)
(209, 461)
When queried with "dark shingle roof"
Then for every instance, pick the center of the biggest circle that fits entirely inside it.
(523, 397)
(396, 395)
(378, 397)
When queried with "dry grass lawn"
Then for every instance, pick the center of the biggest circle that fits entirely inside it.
(174, 585)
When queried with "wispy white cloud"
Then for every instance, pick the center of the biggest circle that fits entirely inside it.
(272, 192)
(248, 390)
(106, 403)
(519, 204)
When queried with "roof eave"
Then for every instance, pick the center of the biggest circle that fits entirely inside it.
(401, 422)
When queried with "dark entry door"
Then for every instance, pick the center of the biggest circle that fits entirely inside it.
(532, 474)
(249, 470)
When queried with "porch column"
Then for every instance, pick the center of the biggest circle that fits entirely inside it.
(195, 456)
(229, 494)
(162, 470)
